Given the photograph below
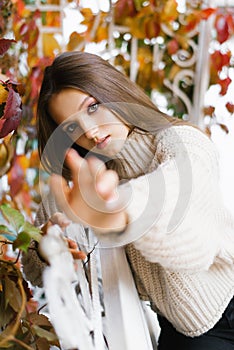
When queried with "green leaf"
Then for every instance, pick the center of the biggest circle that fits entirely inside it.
(32, 231)
(13, 216)
(22, 241)
(40, 332)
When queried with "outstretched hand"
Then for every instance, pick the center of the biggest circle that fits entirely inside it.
(93, 199)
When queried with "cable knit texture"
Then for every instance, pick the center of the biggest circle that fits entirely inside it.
(182, 236)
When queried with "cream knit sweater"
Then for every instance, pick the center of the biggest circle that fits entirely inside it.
(180, 239)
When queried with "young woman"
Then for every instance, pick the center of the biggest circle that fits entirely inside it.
(146, 181)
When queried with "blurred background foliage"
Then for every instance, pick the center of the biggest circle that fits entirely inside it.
(151, 41)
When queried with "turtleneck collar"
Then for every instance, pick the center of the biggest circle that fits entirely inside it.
(136, 155)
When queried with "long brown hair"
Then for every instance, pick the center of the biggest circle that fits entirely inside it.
(92, 75)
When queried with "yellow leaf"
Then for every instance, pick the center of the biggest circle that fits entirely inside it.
(50, 45)
(3, 94)
(169, 12)
(174, 70)
(101, 34)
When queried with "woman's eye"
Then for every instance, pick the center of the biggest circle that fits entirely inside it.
(71, 128)
(93, 107)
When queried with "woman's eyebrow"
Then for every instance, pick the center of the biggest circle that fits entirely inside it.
(83, 102)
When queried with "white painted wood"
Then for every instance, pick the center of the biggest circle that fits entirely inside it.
(125, 320)
(71, 314)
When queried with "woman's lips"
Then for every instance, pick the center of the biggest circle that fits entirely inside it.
(101, 143)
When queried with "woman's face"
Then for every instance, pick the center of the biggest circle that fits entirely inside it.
(89, 124)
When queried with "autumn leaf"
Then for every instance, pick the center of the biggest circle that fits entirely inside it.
(224, 127)
(123, 9)
(43, 333)
(169, 12)
(224, 83)
(52, 19)
(12, 294)
(230, 107)
(88, 15)
(5, 45)
(172, 46)
(209, 110)
(75, 40)
(219, 60)
(50, 45)
(221, 26)
(12, 113)
(151, 27)
(101, 33)
(206, 13)
(6, 156)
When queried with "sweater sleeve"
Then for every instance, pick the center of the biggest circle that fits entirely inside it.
(178, 207)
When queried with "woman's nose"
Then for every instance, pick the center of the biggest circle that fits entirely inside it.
(89, 127)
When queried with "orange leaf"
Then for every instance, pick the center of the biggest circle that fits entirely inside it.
(219, 60)
(87, 14)
(75, 40)
(206, 13)
(152, 28)
(209, 110)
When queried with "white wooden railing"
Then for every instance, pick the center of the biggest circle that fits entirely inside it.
(102, 311)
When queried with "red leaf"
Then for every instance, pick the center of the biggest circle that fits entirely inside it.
(230, 22)
(12, 113)
(230, 107)
(124, 8)
(16, 178)
(5, 44)
(224, 85)
(172, 46)
(221, 27)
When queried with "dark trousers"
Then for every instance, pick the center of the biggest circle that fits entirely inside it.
(220, 337)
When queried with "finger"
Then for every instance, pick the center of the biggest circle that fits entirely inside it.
(96, 167)
(72, 244)
(107, 185)
(60, 219)
(106, 180)
(78, 166)
(78, 254)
